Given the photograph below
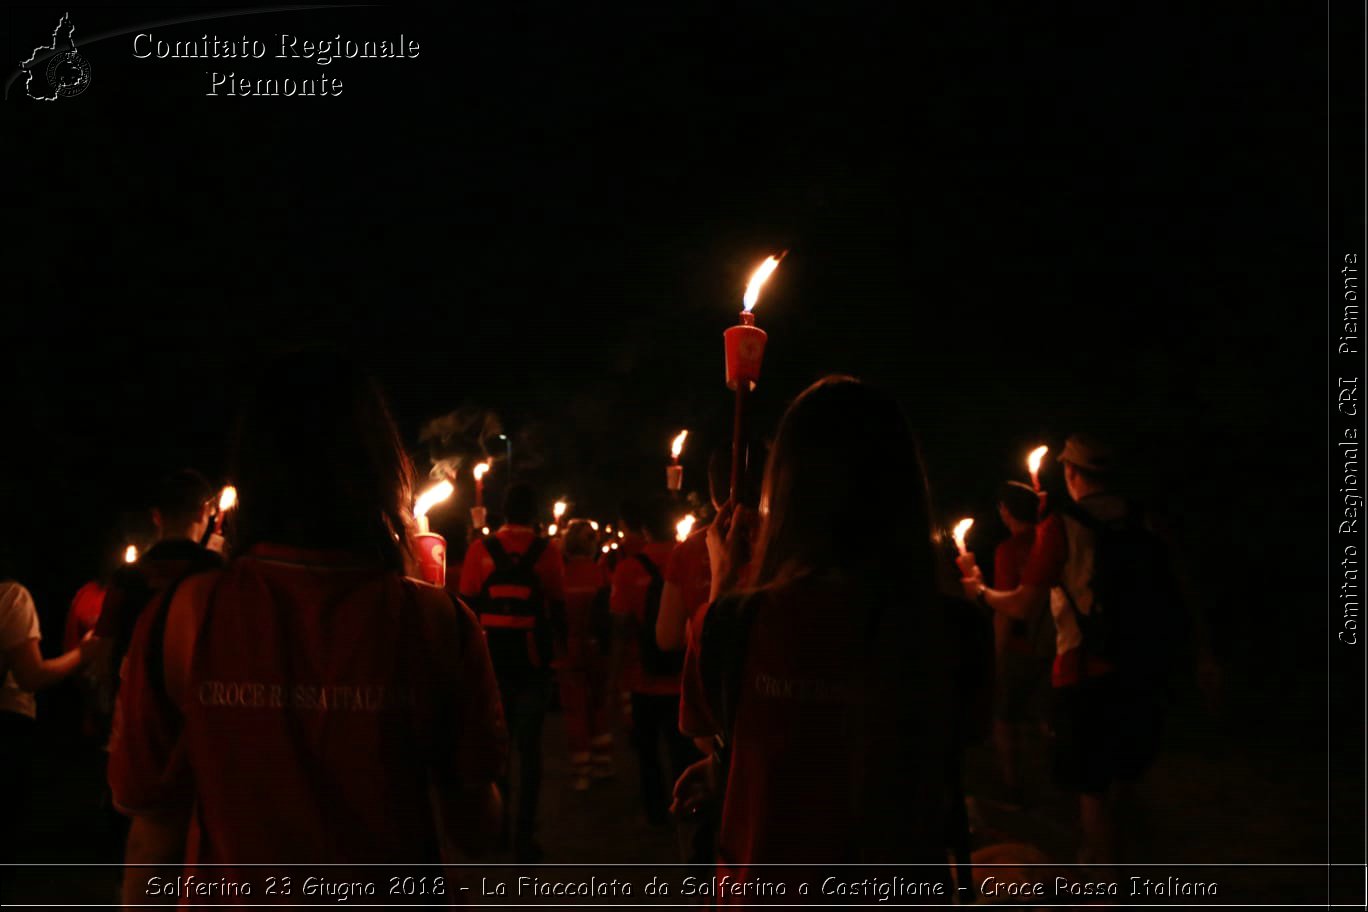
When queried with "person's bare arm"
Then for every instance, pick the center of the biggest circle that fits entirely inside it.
(156, 847)
(33, 672)
(1019, 604)
(670, 622)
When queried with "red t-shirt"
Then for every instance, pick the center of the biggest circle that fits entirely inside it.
(631, 581)
(550, 569)
(690, 572)
(307, 712)
(83, 614)
(793, 771)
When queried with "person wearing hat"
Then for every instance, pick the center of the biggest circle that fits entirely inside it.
(1109, 657)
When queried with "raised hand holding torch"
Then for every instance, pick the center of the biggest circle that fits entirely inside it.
(227, 501)
(745, 350)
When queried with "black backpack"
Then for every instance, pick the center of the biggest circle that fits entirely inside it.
(1136, 620)
(513, 609)
(654, 660)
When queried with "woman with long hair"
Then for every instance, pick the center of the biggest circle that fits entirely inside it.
(820, 665)
(309, 704)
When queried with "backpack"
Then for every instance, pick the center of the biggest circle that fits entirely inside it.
(654, 660)
(513, 609)
(1136, 616)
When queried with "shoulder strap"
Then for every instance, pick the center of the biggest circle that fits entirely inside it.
(156, 641)
(533, 553)
(496, 552)
(649, 566)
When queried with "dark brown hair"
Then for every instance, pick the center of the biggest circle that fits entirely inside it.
(318, 461)
(845, 490)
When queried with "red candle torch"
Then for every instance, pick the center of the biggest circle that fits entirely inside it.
(431, 547)
(674, 472)
(745, 350)
(477, 512)
(1033, 462)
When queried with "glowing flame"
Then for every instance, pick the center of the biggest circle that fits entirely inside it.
(552, 529)
(614, 546)
(1035, 459)
(227, 499)
(480, 470)
(485, 530)
(432, 497)
(593, 525)
(131, 554)
(621, 534)
(758, 280)
(961, 530)
(684, 527)
(677, 446)
(559, 509)
(605, 549)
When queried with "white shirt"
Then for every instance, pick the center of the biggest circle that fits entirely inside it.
(18, 625)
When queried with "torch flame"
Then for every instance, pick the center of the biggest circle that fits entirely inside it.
(131, 554)
(758, 280)
(1034, 460)
(677, 446)
(559, 509)
(227, 499)
(432, 497)
(480, 470)
(684, 527)
(961, 530)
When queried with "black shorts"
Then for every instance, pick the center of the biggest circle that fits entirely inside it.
(1107, 729)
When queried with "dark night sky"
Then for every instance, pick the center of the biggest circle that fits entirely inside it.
(1024, 222)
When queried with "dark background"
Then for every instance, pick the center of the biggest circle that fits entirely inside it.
(1023, 221)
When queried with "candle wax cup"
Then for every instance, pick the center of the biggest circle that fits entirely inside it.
(431, 550)
(745, 346)
(674, 477)
(477, 517)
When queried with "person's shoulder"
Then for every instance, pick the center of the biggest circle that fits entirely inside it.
(187, 609)
(191, 595)
(430, 599)
(442, 615)
(15, 597)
